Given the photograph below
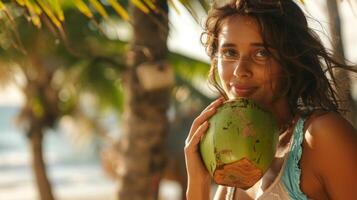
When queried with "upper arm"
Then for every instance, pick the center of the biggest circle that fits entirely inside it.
(335, 154)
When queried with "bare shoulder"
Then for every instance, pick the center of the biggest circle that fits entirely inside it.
(329, 128)
(329, 134)
(333, 142)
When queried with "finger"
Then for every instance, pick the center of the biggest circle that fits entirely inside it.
(192, 143)
(204, 116)
(210, 110)
(215, 103)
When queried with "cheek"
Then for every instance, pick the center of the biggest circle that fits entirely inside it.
(224, 77)
(273, 79)
(224, 74)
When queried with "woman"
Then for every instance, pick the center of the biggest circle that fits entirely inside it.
(264, 51)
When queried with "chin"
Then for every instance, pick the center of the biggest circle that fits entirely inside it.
(233, 95)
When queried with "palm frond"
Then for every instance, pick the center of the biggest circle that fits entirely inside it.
(151, 4)
(188, 67)
(205, 5)
(34, 11)
(190, 9)
(181, 81)
(119, 9)
(2, 6)
(83, 8)
(21, 2)
(99, 8)
(173, 5)
(10, 33)
(141, 6)
(103, 82)
(55, 4)
(187, 72)
(49, 12)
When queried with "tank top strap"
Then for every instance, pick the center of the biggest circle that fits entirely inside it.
(292, 172)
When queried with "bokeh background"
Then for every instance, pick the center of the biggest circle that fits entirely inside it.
(96, 101)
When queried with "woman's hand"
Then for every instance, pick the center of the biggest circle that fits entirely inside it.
(196, 170)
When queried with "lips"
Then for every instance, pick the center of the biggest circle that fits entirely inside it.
(243, 91)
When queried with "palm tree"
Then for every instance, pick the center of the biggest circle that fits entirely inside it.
(135, 93)
(146, 101)
(45, 103)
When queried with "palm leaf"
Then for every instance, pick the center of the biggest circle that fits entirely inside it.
(2, 6)
(10, 32)
(190, 9)
(187, 71)
(57, 8)
(33, 10)
(98, 7)
(188, 67)
(150, 4)
(173, 5)
(83, 8)
(119, 9)
(102, 81)
(21, 2)
(141, 6)
(205, 5)
(182, 82)
(49, 12)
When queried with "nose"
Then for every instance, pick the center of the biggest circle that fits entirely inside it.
(242, 68)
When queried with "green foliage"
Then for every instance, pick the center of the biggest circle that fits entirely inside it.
(188, 67)
(92, 62)
(104, 82)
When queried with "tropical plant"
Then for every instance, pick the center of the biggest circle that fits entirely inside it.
(145, 102)
(79, 58)
(54, 80)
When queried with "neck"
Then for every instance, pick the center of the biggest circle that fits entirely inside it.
(283, 114)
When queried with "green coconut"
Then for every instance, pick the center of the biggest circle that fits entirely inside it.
(240, 144)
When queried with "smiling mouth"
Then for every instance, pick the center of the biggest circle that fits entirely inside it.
(243, 92)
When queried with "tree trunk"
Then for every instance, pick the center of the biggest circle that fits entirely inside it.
(342, 76)
(145, 123)
(44, 186)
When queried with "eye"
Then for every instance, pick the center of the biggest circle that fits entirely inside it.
(262, 54)
(229, 53)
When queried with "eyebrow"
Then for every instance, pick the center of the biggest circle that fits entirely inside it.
(257, 44)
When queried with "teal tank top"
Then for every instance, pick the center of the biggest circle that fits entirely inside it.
(292, 172)
(286, 186)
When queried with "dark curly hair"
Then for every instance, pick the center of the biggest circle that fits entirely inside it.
(300, 52)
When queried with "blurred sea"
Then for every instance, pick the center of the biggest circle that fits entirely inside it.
(74, 173)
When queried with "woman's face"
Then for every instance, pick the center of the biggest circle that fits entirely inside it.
(245, 67)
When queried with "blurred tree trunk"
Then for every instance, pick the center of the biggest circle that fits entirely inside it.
(145, 123)
(342, 76)
(40, 112)
(38, 164)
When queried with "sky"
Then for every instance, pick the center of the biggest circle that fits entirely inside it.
(185, 34)
(185, 38)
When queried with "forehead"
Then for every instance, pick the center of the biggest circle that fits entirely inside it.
(240, 29)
